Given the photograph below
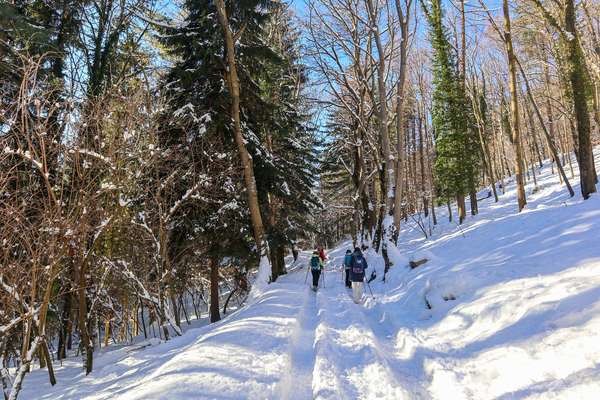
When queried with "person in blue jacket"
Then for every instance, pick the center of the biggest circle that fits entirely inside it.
(347, 261)
(358, 266)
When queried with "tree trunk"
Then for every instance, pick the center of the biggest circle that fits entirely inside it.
(143, 318)
(460, 204)
(547, 134)
(404, 18)
(280, 255)
(214, 290)
(26, 360)
(176, 312)
(514, 107)
(577, 79)
(64, 328)
(422, 168)
(487, 161)
(247, 163)
(86, 346)
(380, 229)
(428, 145)
(473, 198)
(388, 160)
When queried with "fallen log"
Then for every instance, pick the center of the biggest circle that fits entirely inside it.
(415, 264)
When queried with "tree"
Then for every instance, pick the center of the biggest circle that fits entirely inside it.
(514, 107)
(286, 174)
(577, 75)
(404, 18)
(279, 142)
(457, 151)
(234, 88)
(515, 125)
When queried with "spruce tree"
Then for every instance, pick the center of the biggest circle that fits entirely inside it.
(285, 176)
(276, 128)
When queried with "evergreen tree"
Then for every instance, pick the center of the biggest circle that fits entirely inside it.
(456, 144)
(279, 139)
(286, 175)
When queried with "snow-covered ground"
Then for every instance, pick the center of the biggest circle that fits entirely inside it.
(508, 307)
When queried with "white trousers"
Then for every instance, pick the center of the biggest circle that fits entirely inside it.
(357, 291)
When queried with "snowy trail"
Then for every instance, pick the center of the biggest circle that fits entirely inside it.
(349, 353)
(297, 379)
(384, 334)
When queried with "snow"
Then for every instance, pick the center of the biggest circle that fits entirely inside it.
(94, 154)
(27, 155)
(507, 307)
(108, 186)
(569, 36)
(183, 110)
(261, 280)
(186, 196)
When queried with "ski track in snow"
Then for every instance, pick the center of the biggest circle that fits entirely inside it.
(297, 379)
(351, 363)
(345, 337)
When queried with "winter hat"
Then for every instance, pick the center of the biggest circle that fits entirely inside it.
(357, 250)
(348, 251)
(315, 253)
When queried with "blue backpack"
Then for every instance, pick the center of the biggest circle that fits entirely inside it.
(359, 264)
(315, 263)
(347, 260)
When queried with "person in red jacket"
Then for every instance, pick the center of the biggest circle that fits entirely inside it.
(322, 255)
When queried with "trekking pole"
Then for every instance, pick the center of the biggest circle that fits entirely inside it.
(370, 290)
(306, 276)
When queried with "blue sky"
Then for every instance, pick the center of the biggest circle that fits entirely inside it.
(300, 5)
(476, 21)
(475, 18)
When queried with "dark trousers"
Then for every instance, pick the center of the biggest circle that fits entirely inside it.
(348, 284)
(316, 275)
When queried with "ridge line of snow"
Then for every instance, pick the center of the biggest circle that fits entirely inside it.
(298, 376)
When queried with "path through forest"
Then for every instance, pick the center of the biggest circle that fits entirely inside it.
(340, 350)
(297, 378)
(501, 310)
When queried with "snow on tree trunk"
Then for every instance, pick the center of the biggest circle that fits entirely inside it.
(261, 280)
(24, 368)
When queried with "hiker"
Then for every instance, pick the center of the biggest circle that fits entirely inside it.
(358, 266)
(347, 262)
(322, 256)
(295, 252)
(315, 269)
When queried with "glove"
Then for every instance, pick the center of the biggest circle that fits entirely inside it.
(373, 276)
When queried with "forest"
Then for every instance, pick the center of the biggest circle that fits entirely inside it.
(159, 160)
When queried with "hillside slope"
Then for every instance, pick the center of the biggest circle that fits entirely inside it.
(507, 307)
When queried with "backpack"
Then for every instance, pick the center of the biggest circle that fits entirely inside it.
(358, 267)
(347, 260)
(315, 263)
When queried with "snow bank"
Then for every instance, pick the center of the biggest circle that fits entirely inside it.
(508, 307)
(261, 280)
